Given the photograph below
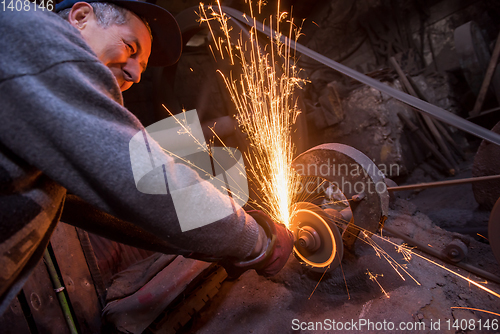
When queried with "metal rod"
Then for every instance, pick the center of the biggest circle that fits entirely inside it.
(432, 110)
(444, 183)
(435, 253)
(484, 113)
(59, 289)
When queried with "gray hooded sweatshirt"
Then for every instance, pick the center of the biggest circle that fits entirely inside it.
(63, 128)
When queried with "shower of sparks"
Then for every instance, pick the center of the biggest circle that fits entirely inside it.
(440, 266)
(383, 254)
(374, 279)
(406, 251)
(266, 110)
(263, 96)
(185, 129)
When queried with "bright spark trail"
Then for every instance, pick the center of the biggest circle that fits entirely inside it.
(409, 251)
(374, 278)
(266, 110)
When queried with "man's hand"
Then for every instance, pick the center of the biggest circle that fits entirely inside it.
(275, 253)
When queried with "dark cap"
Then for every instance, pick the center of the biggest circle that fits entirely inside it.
(167, 41)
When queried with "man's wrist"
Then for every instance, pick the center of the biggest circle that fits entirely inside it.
(260, 244)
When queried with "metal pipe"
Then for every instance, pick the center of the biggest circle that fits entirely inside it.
(444, 183)
(435, 253)
(59, 289)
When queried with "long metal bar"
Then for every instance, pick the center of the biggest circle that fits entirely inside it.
(432, 110)
(444, 183)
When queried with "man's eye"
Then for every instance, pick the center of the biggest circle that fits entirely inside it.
(130, 47)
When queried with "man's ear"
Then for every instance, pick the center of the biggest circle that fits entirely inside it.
(80, 14)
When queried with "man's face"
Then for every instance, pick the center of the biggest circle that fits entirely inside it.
(124, 49)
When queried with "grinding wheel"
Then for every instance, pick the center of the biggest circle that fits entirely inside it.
(494, 230)
(357, 178)
(319, 243)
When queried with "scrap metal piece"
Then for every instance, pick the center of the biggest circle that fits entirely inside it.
(353, 173)
(319, 243)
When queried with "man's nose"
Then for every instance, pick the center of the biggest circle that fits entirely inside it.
(132, 71)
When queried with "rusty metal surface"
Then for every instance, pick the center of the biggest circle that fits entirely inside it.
(354, 173)
(487, 162)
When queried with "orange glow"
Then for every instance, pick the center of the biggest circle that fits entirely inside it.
(263, 96)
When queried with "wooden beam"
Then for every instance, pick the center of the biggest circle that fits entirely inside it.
(13, 320)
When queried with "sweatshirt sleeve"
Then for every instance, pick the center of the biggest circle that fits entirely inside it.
(63, 115)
